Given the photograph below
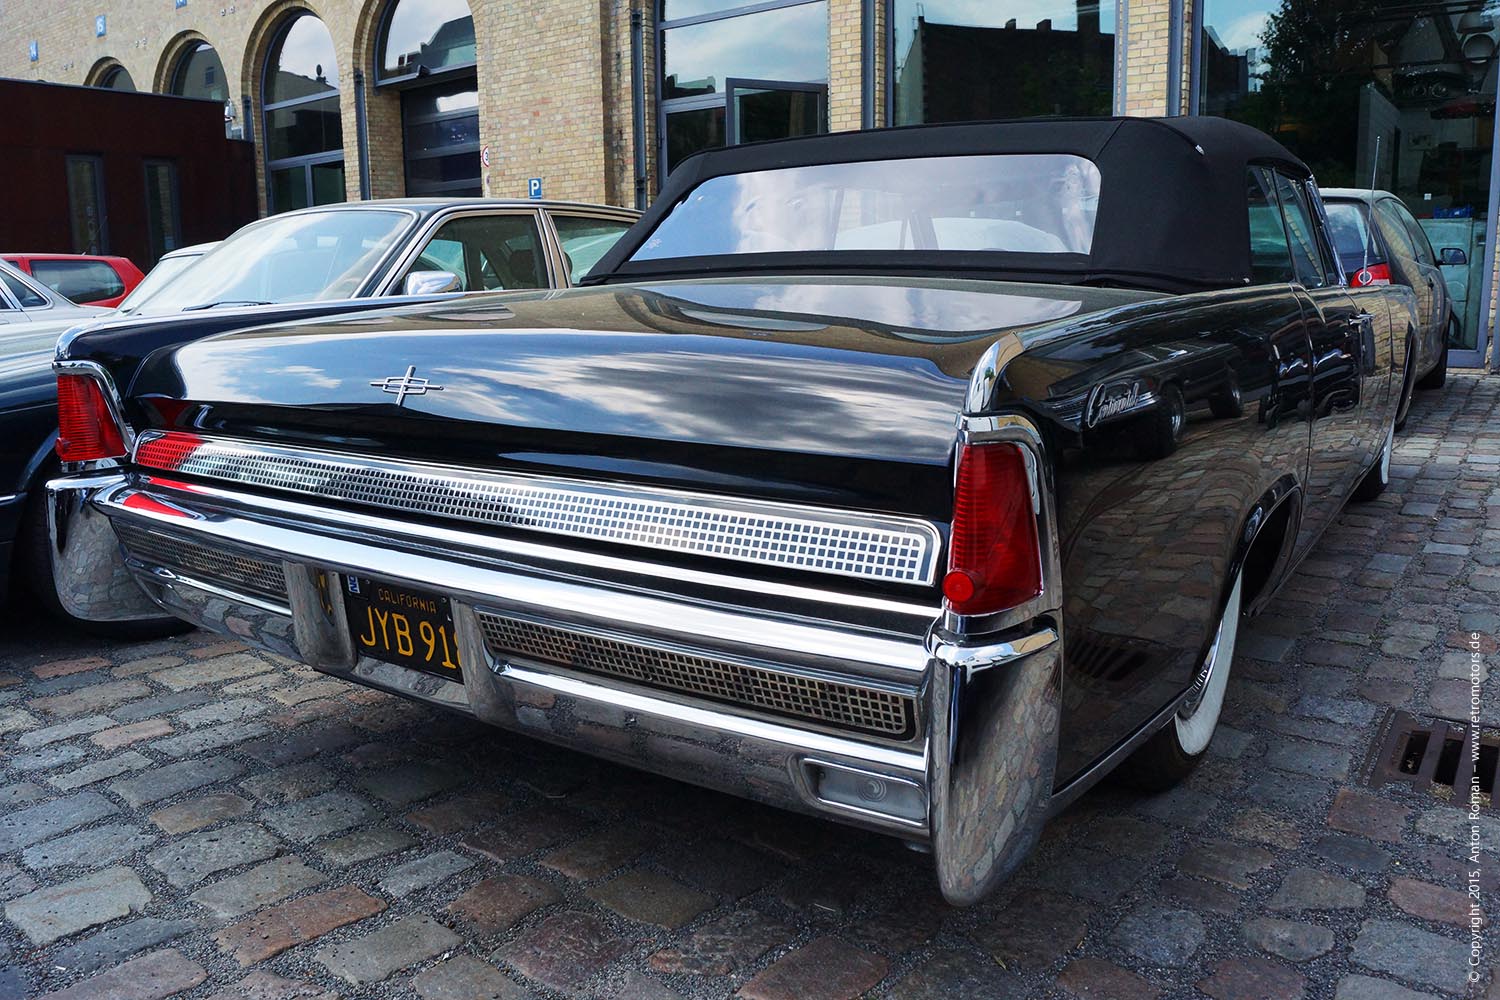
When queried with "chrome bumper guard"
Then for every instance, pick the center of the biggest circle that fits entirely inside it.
(971, 775)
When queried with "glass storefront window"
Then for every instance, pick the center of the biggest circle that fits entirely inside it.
(200, 74)
(674, 10)
(440, 126)
(304, 131)
(691, 130)
(430, 35)
(439, 120)
(162, 217)
(741, 76)
(956, 60)
(1330, 83)
(787, 44)
(86, 204)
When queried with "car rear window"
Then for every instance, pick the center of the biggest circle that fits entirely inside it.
(28, 297)
(1032, 203)
(79, 280)
(1349, 227)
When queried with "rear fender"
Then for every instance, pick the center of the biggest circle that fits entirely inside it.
(1283, 497)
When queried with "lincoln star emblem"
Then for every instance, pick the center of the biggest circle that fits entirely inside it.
(402, 386)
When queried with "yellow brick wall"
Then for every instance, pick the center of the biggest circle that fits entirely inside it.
(1146, 72)
(845, 80)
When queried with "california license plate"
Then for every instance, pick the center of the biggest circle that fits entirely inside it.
(410, 628)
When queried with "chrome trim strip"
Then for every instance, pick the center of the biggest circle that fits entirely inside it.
(974, 659)
(10, 498)
(860, 545)
(876, 755)
(502, 588)
(320, 518)
(163, 576)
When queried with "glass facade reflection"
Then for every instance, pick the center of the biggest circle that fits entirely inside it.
(426, 35)
(200, 74)
(1418, 80)
(732, 74)
(427, 50)
(304, 137)
(956, 60)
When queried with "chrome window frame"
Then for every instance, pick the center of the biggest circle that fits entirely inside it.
(627, 216)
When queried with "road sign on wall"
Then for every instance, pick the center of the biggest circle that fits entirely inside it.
(534, 189)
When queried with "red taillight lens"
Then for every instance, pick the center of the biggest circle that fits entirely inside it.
(1375, 274)
(994, 560)
(86, 430)
(169, 451)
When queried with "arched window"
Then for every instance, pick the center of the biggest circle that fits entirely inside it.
(116, 78)
(304, 138)
(199, 73)
(427, 52)
(425, 37)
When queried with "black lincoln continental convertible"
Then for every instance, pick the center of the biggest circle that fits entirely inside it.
(913, 479)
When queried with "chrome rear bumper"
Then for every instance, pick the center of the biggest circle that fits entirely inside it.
(971, 777)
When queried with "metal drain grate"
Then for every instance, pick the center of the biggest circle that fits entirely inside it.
(1433, 754)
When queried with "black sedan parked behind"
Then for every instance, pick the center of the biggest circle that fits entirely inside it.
(310, 263)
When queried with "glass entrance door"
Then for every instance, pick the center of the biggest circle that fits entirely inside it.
(1418, 80)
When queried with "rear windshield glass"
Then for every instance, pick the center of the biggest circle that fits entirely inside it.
(1349, 226)
(1013, 203)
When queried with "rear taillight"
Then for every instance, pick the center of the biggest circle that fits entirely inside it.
(1375, 274)
(86, 429)
(994, 560)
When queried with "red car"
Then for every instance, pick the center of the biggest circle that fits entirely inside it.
(87, 280)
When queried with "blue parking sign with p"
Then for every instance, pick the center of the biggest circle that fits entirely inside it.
(534, 189)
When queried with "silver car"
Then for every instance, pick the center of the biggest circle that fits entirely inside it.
(37, 307)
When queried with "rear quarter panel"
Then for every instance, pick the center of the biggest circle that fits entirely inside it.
(1148, 539)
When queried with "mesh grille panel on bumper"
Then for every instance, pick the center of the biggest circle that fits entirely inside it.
(240, 574)
(845, 706)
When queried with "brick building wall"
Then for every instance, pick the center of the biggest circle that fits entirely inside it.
(554, 76)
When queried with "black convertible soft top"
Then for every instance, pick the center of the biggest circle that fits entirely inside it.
(1172, 202)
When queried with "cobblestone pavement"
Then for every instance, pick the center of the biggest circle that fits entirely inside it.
(226, 824)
